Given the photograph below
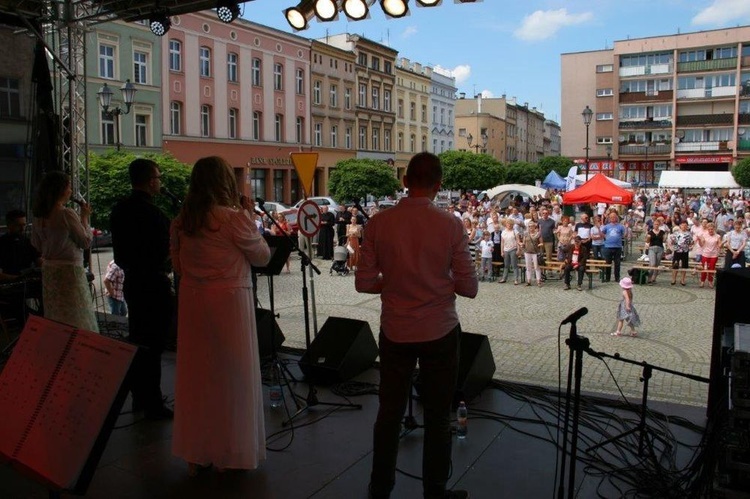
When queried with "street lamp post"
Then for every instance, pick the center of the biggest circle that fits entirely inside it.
(483, 145)
(587, 114)
(105, 100)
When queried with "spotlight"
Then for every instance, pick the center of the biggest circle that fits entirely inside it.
(356, 10)
(429, 3)
(395, 8)
(159, 23)
(297, 18)
(326, 10)
(227, 10)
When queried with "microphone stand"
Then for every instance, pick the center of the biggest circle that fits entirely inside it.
(311, 399)
(577, 345)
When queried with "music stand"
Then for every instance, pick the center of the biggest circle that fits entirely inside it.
(281, 248)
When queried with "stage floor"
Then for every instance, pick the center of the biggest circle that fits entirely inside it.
(510, 450)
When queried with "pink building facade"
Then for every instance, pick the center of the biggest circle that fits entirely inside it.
(239, 91)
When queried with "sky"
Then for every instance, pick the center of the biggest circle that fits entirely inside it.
(509, 47)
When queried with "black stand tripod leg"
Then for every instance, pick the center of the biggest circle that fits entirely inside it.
(410, 422)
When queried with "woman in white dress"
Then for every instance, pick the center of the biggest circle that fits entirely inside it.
(218, 393)
(60, 234)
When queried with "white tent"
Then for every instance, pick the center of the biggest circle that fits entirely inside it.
(528, 191)
(581, 179)
(697, 180)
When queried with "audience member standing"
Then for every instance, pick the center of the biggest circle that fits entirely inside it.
(614, 234)
(114, 280)
(219, 394)
(140, 241)
(418, 269)
(710, 243)
(326, 233)
(61, 235)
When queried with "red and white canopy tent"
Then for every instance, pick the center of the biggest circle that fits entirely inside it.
(599, 189)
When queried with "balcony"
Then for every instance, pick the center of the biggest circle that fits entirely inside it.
(743, 145)
(744, 119)
(707, 93)
(715, 145)
(686, 67)
(705, 119)
(647, 124)
(654, 69)
(644, 150)
(650, 96)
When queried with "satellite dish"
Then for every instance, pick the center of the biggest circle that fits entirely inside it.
(622, 138)
(677, 140)
(741, 131)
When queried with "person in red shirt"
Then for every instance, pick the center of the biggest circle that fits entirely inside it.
(418, 269)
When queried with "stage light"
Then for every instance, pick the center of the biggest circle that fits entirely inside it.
(326, 10)
(395, 8)
(429, 3)
(227, 10)
(356, 10)
(297, 17)
(159, 23)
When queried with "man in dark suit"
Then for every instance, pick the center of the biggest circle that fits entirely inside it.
(575, 259)
(140, 240)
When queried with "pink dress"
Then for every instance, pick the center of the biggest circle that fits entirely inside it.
(218, 393)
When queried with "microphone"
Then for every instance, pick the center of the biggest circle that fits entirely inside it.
(575, 315)
(171, 196)
(260, 202)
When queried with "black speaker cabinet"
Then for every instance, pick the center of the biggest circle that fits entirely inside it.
(730, 306)
(268, 332)
(342, 349)
(476, 367)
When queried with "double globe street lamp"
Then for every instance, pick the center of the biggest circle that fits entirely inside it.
(105, 101)
(482, 146)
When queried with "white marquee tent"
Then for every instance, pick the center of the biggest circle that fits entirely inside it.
(697, 180)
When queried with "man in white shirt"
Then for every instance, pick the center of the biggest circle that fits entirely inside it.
(418, 269)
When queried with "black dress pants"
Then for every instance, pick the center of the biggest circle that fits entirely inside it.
(438, 367)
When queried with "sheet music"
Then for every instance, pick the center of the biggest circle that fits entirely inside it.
(71, 401)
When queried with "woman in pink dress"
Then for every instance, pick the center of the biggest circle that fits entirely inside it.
(710, 243)
(219, 397)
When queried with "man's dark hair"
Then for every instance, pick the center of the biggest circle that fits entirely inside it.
(14, 215)
(141, 170)
(424, 170)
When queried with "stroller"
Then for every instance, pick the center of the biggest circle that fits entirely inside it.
(340, 256)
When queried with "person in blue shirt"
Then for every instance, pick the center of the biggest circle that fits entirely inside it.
(614, 233)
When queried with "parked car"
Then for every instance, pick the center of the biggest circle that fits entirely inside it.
(276, 207)
(320, 201)
(102, 238)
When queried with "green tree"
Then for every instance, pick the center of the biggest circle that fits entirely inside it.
(741, 172)
(109, 182)
(354, 179)
(463, 170)
(524, 173)
(560, 164)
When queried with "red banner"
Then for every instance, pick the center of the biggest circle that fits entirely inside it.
(703, 159)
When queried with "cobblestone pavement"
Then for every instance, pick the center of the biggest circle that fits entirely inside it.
(522, 325)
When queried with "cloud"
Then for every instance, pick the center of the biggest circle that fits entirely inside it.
(409, 31)
(487, 94)
(723, 12)
(543, 24)
(461, 72)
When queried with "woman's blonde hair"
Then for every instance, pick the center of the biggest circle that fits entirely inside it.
(212, 183)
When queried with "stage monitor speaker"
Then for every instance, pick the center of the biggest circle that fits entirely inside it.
(268, 332)
(476, 367)
(342, 349)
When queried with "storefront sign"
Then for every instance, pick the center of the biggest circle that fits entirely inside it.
(702, 159)
(269, 161)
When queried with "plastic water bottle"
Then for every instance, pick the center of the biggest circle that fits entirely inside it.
(462, 414)
(274, 392)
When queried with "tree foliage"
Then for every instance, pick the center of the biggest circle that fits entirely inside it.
(560, 164)
(463, 170)
(741, 172)
(524, 173)
(354, 179)
(109, 182)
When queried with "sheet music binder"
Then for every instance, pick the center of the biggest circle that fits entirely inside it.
(60, 394)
